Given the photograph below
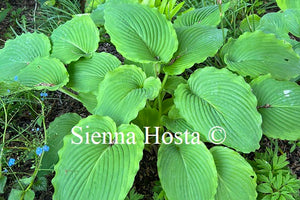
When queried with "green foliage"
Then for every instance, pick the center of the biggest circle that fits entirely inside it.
(274, 179)
(165, 82)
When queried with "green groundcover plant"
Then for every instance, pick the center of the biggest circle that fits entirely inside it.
(252, 91)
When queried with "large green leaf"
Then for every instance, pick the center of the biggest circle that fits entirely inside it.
(196, 43)
(59, 128)
(76, 38)
(285, 4)
(276, 23)
(140, 33)
(279, 105)
(236, 178)
(87, 73)
(98, 15)
(123, 93)
(257, 53)
(209, 15)
(108, 170)
(187, 171)
(20, 52)
(44, 73)
(292, 17)
(216, 97)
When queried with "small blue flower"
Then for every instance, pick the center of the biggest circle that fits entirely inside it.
(42, 94)
(5, 170)
(42, 99)
(16, 78)
(39, 151)
(45, 94)
(37, 129)
(8, 90)
(11, 162)
(32, 129)
(46, 148)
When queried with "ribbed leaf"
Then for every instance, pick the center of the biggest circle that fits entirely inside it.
(196, 43)
(59, 128)
(89, 101)
(20, 52)
(87, 73)
(209, 15)
(279, 105)
(140, 33)
(292, 17)
(123, 93)
(285, 4)
(187, 171)
(236, 178)
(44, 73)
(276, 23)
(253, 54)
(250, 23)
(215, 97)
(76, 38)
(106, 170)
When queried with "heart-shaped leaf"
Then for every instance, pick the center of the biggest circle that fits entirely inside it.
(20, 52)
(279, 105)
(87, 73)
(196, 43)
(218, 98)
(106, 169)
(123, 93)
(187, 171)
(209, 15)
(257, 53)
(76, 38)
(134, 28)
(236, 178)
(44, 73)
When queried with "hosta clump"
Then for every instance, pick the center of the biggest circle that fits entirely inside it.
(122, 96)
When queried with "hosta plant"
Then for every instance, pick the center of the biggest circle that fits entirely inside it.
(158, 95)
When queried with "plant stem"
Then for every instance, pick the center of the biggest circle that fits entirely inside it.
(3, 135)
(160, 95)
(74, 96)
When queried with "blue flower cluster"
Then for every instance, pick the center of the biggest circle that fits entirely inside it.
(39, 150)
(43, 95)
(11, 162)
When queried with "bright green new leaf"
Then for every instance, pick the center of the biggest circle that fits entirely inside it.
(187, 171)
(87, 73)
(20, 52)
(286, 4)
(123, 93)
(250, 23)
(257, 53)
(279, 105)
(196, 43)
(220, 98)
(140, 33)
(150, 69)
(209, 15)
(44, 73)
(76, 38)
(148, 117)
(98, 171)
(236, 178)
(59, 128)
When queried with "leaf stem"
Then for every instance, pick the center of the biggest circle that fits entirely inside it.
(160, 95)
(74, 96)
